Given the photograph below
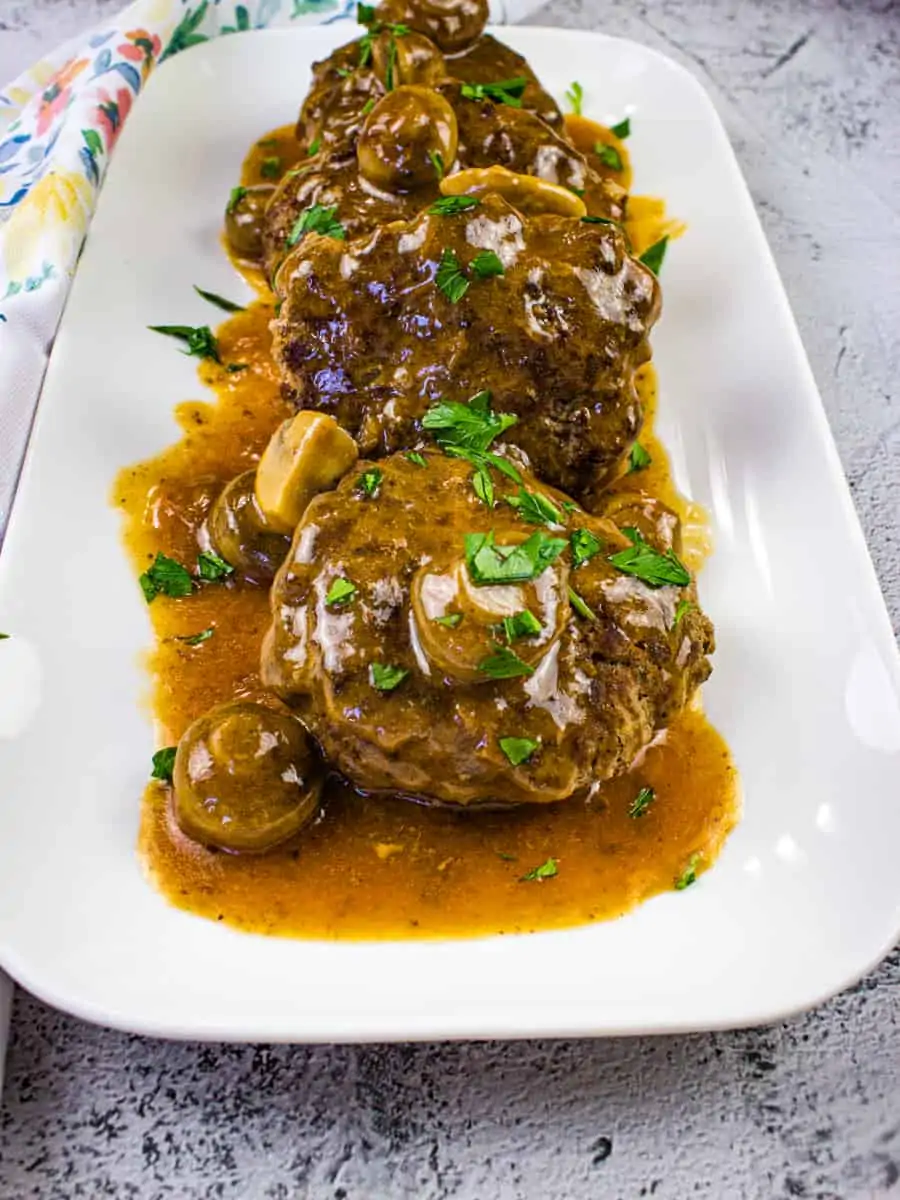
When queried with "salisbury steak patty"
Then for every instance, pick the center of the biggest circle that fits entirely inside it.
(447, 649)
(375, 329)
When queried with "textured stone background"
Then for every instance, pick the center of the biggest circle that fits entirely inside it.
(810, 91)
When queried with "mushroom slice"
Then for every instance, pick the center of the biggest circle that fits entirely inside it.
(307, 454)
(527, 193)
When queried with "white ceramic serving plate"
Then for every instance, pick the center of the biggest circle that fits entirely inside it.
(806, 895)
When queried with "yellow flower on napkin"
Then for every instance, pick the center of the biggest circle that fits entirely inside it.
(48, 225)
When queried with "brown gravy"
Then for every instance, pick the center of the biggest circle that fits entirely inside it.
(375, 867)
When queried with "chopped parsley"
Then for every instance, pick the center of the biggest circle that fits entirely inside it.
(236, 196)
(417, 459)
(489, 563)
(195, 639)
(368, 106)
(622, 130)
(340, 592)
(314, 147)
(166, 577)
(486, 264)
(450, 206)
(521, 625)
(450, 278)
(270, 168)
(233, 368)
(638, 459)
(385, 677)
(649, 565)
(641, 802)
(598, 221)
(504, 663)
(585, 545)
(506, 857)
(450, 621)
(545, 871)
(575, 97)
(211, 568)
(437, 161)
(581, 607)
(164, 764)
(472, 426)
(689, 874)
(365, 14)
(219, 301)
(518, 749)
(369, 481)
(653, 256)
(4, 637)
(535, 508)
(609, 156)
(505, 91)
(200, 341)
(317, 219)
(683, 606)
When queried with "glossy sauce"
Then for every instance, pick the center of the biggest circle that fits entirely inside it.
(376, 867)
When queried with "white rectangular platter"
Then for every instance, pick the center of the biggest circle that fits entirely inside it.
(806, 895)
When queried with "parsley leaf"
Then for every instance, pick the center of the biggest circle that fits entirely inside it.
(622, 130)
(365, 14)
(504, 663)
(583, 609)
(164, 764)
(598, 221)
(535, 508)
(437, 161)
(450, 278)
(489, 563)
(211, 568)
(505, 91)
(641, 802)
(648, 565)
(417, 459)
(472, 426)
(219, 301)
(689, 874)
(165, 577)
(195, 639)
(684, 606)
(369, 481)
(450, 206)
(520, 625)
(575, 97)
(653, 256)
(385, 677)
(368, 106)
(314, 147)
(518, 749)
(609, 156)
(450, 621)
(234, 199)
(270, 168)
(317, 219)
(340, 592)
(545, 871)
(584, 546)
(486, 264)
(4, 637)
(638, 459)
(200, 342)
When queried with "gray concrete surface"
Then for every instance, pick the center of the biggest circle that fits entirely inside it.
(811, 1108)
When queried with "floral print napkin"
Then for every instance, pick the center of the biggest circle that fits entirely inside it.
(59, 123)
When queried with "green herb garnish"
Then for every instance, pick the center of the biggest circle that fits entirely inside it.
(641, 802)
(689, 874)
(233, 368)
(365, 14)
(368, 106)
(317, 219)
(450, 621)
(4, 637)
(472, 426)
(489, 563)
(518, 749)
(270, 168)
(504, 663)
(622, 130)
(521, 625)
(200, 341)
(638, 459)
(585, 545)
(340, 592)
(314, 147)
(506, 857)
(237, 195)
(219, 301)
(648, 565)
(535, 508)
(545, 871)
(683, 606)
(575, 97)
(195, 639)
(609, 156)
(486, 264)
(417, 459)
(164, 764)
(385, 677)
(505, 91)
(211, 568)
(450, 206)
(437, 161)
(598, 221)
(450, 278)
(369, 481)
(581, 607)
(165, 577)
(653, 256)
